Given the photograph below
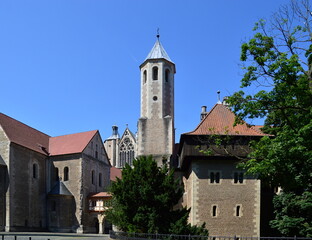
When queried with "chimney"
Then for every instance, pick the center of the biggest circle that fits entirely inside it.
(203, 112)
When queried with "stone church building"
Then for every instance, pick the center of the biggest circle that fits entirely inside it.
(46, 182)
(59, 183)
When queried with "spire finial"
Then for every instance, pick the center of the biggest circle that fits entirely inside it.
(218, 92)
(158, 34)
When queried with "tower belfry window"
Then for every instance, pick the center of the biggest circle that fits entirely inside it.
(155, 73)
(144, 76)
(167, 74)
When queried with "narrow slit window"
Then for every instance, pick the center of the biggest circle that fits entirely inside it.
(214, 210)
(238, 209)
(66, 173)
(212, 177)
(92, 177)
(35, 170)
(100, 179)
(167, 75)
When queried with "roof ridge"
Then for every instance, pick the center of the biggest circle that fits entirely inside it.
(75, 133)
(23, 124)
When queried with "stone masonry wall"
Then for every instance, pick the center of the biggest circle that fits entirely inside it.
(226, 196)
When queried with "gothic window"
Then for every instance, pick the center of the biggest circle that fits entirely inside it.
(155, 73)
(66, 173)
(126, 152)
(167, 75)
(144, 76)
(35, 170)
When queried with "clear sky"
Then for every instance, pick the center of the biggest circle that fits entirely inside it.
(69, 66)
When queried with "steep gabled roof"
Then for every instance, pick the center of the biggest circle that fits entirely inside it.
(24, 135)
(219, 121)
(71, 143)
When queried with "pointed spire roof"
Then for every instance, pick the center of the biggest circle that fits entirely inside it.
(158, 51)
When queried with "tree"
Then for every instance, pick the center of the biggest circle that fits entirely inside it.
(278, 61)
(144, 200)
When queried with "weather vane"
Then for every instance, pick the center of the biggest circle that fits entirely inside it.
(157, 33)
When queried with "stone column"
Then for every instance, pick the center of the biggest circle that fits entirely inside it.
(101, 218)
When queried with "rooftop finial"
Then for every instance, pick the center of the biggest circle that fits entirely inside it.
(158, 34)
(218, 92)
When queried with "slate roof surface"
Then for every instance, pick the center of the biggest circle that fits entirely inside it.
(24, 135)
(157, 52)
(220, 121)
(71, 143)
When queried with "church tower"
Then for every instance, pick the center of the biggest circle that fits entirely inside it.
(156, 123)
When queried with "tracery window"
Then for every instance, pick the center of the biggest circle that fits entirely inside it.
(126, 154)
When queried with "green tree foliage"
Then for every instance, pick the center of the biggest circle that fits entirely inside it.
(277, 60)
(144, 201)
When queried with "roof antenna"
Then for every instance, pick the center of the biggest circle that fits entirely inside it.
(218, 92)
(158, 34)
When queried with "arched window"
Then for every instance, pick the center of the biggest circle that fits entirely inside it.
(167, 75)
(155, 73)
(100, 179)
(66, 173)
(35, 170)
(144, 76)
(92, 177)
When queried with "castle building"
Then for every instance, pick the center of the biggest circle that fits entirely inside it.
(218, 193)
(47, 183)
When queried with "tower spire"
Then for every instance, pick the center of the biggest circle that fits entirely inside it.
(158, 34)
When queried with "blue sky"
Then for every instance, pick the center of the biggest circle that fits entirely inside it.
(70, 66)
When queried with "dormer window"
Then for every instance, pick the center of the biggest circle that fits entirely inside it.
(155, 73)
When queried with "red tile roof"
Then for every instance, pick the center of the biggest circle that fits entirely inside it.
(100, 195)
(24, 135)
(220, 121)
(71, 143)
(114, 173)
